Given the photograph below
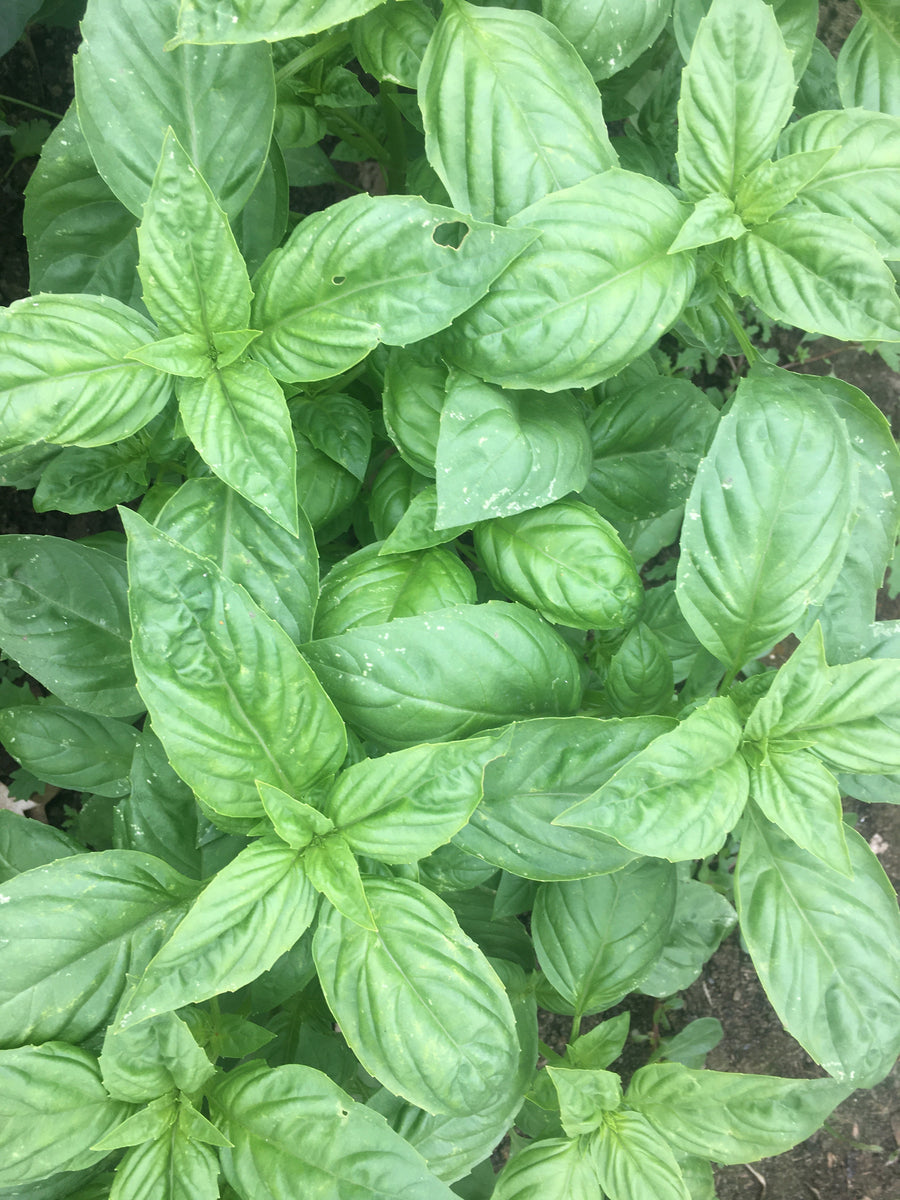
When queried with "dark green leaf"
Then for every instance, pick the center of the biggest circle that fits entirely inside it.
(640, 678)
(340, 427)
(415, 381)
(417, 528)
(83, 479)
(25, 844)
(70, 748)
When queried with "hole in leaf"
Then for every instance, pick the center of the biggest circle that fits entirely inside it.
(337, 280)
(451, 234)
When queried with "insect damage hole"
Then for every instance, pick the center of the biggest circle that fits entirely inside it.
(337, 280)
(451, 234)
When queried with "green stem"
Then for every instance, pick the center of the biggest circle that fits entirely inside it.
(396, 140)
(366, 140)
(35, 107)
(323, 47)
(576, 1028)
(724, 305)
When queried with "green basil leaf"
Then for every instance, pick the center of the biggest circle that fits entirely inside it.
(80, 238)
(367, 588)
(817, 272)
(83, 479)
(647, 440)
(817, 940)
(390, 40)
(794, 695)
(712, 220)
(153, 1059)
(867, 68)
(415, 380)
(553, 319)
(520, 68)
(417, 1001)
(607, 37)
(553, 1168)
(550, 764)
(767, 525)
(130, 89)
(238, 420)
(596, 938)
(194, 278)
(230, 697)
(87, 920)
(296, 823)
(417, 528)
(64, 620)
(331, 868)
(367, 270)
(678, 798)
(600, 1046)
(393, 489)
(25, 844)
(856, 726)
(148, 1122)
(585, 1095)
(411, 680)
(703, 918)
(250, 913)
(70, 748)
(801, 796)
(640, 678)
(662, 615)
(173, 1167)
(66, 375)
(278, 569)
(728, 1117)
(324, 489)
(498, 454)
(53, 1108)
(737, 92)
(630, 1157)
(402, 806)
(773, 185)
(340, 427)
(322, 1137)
(797, 20)
(209, 21)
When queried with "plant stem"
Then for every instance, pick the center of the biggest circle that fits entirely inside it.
(724, 305)
(306, 58)
(35, 107)
(576, 1028)
(367, 140)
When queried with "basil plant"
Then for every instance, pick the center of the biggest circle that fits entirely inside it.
(386, 731)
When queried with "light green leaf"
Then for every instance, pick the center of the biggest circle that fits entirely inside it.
(868, 69)
(25, 844)
(66, 375)
(70, 748)
(553, 1168)
(817, 272)
(322, 1137)
(802, 797)
(151, 1060)
(210, 21)
(172, 1167)
(703, 918)
(824, 947)
(80, 238)
(53, 1107)
(596, 938)
(278, 569)
(367, 270)
(713, 220)
(736, 94)
(400, 807)
(238, 420)
(64, 619)
(330, 867)
(584, 1096)
(678, 798)
(728, 1117)
(148, 1122)
(546, 130)
(185, 354)
(295, 822)
(412, 681)
(230, 697)
(797, 20)
(551, 764)
(417, 1001)
(856, 726)
(87, 920)
(631, 1158)
(553, 319)
(415, 380)
(767, 518)
(130, 89)
(566, 562)
(390, 40)
(497, 452)
(417, 528)
(367, 588)
(251, 912)
(609, 37)
(773, 185)
(600, 1046)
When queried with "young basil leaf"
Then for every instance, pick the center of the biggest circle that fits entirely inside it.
(331, 868)
(67, 378)
(171, 1167)
(498, 454)
(553, 1168)
(547, 130)
(417, 1001)
(153, 1059)
(728, 1117)
(608, 37)
(230, 697)
(130, 89)
(817, 941)
(552, 320)
(211, 21)
(702, 919)
(640, 678)
(411, 680)
(250, 913)
(417, 528)
(678, 798)
(797, 20)
(802, 797)
(585, 1095)
(773, 185)
(88, 920)
(367, 270)
(551, 764)
(736, 95)
(600, 1046)
(767, 525)
(867, 74)
(53, 1109)
(63, 618)
(596, 938)
(278, 569)
(713, 220)
(69, 748)
(630, 1157)
(26, 844)
(390, 40)
(795, 694)
(296, 823)
(148, 1122)
(317, 1124)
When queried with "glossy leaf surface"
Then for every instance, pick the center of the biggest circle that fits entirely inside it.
(209, 21)
(70, 748)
